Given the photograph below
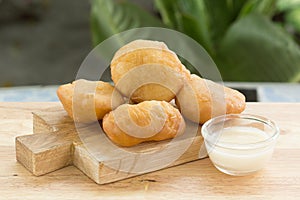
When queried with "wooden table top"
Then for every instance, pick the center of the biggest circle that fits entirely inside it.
(195, 180)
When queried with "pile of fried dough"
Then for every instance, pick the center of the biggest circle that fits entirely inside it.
(152, 96)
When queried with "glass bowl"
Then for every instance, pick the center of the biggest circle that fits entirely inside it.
(240, 144)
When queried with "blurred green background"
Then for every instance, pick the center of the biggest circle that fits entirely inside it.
(250, 40)
(45, 41)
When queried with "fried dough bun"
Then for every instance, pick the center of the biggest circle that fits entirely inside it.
(147, 70)
(88, 101)
(200, 100)
(129, 125)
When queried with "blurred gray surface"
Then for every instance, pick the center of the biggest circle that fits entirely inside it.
(264, 92)
(269, 92)
(42, 41)
(29, 94)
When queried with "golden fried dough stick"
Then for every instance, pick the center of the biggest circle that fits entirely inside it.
(147, 70)
(88, 101)
(200, 100)
(129, 125)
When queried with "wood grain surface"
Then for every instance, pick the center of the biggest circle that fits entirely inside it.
(195, 180)
(56, 144)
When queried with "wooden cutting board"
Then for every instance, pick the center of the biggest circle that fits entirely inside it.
(56, 143)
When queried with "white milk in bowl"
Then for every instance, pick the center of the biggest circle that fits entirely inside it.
(239, 150)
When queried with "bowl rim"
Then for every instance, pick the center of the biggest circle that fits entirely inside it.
(254, 145)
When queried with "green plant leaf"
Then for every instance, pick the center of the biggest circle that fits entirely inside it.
(265, 7)
(221, 14)
(189, 17)
(169, 12)
(206, 21)
(293, 18)
(191, 26)
(109, 17)
(255, 49)
(284, 5)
